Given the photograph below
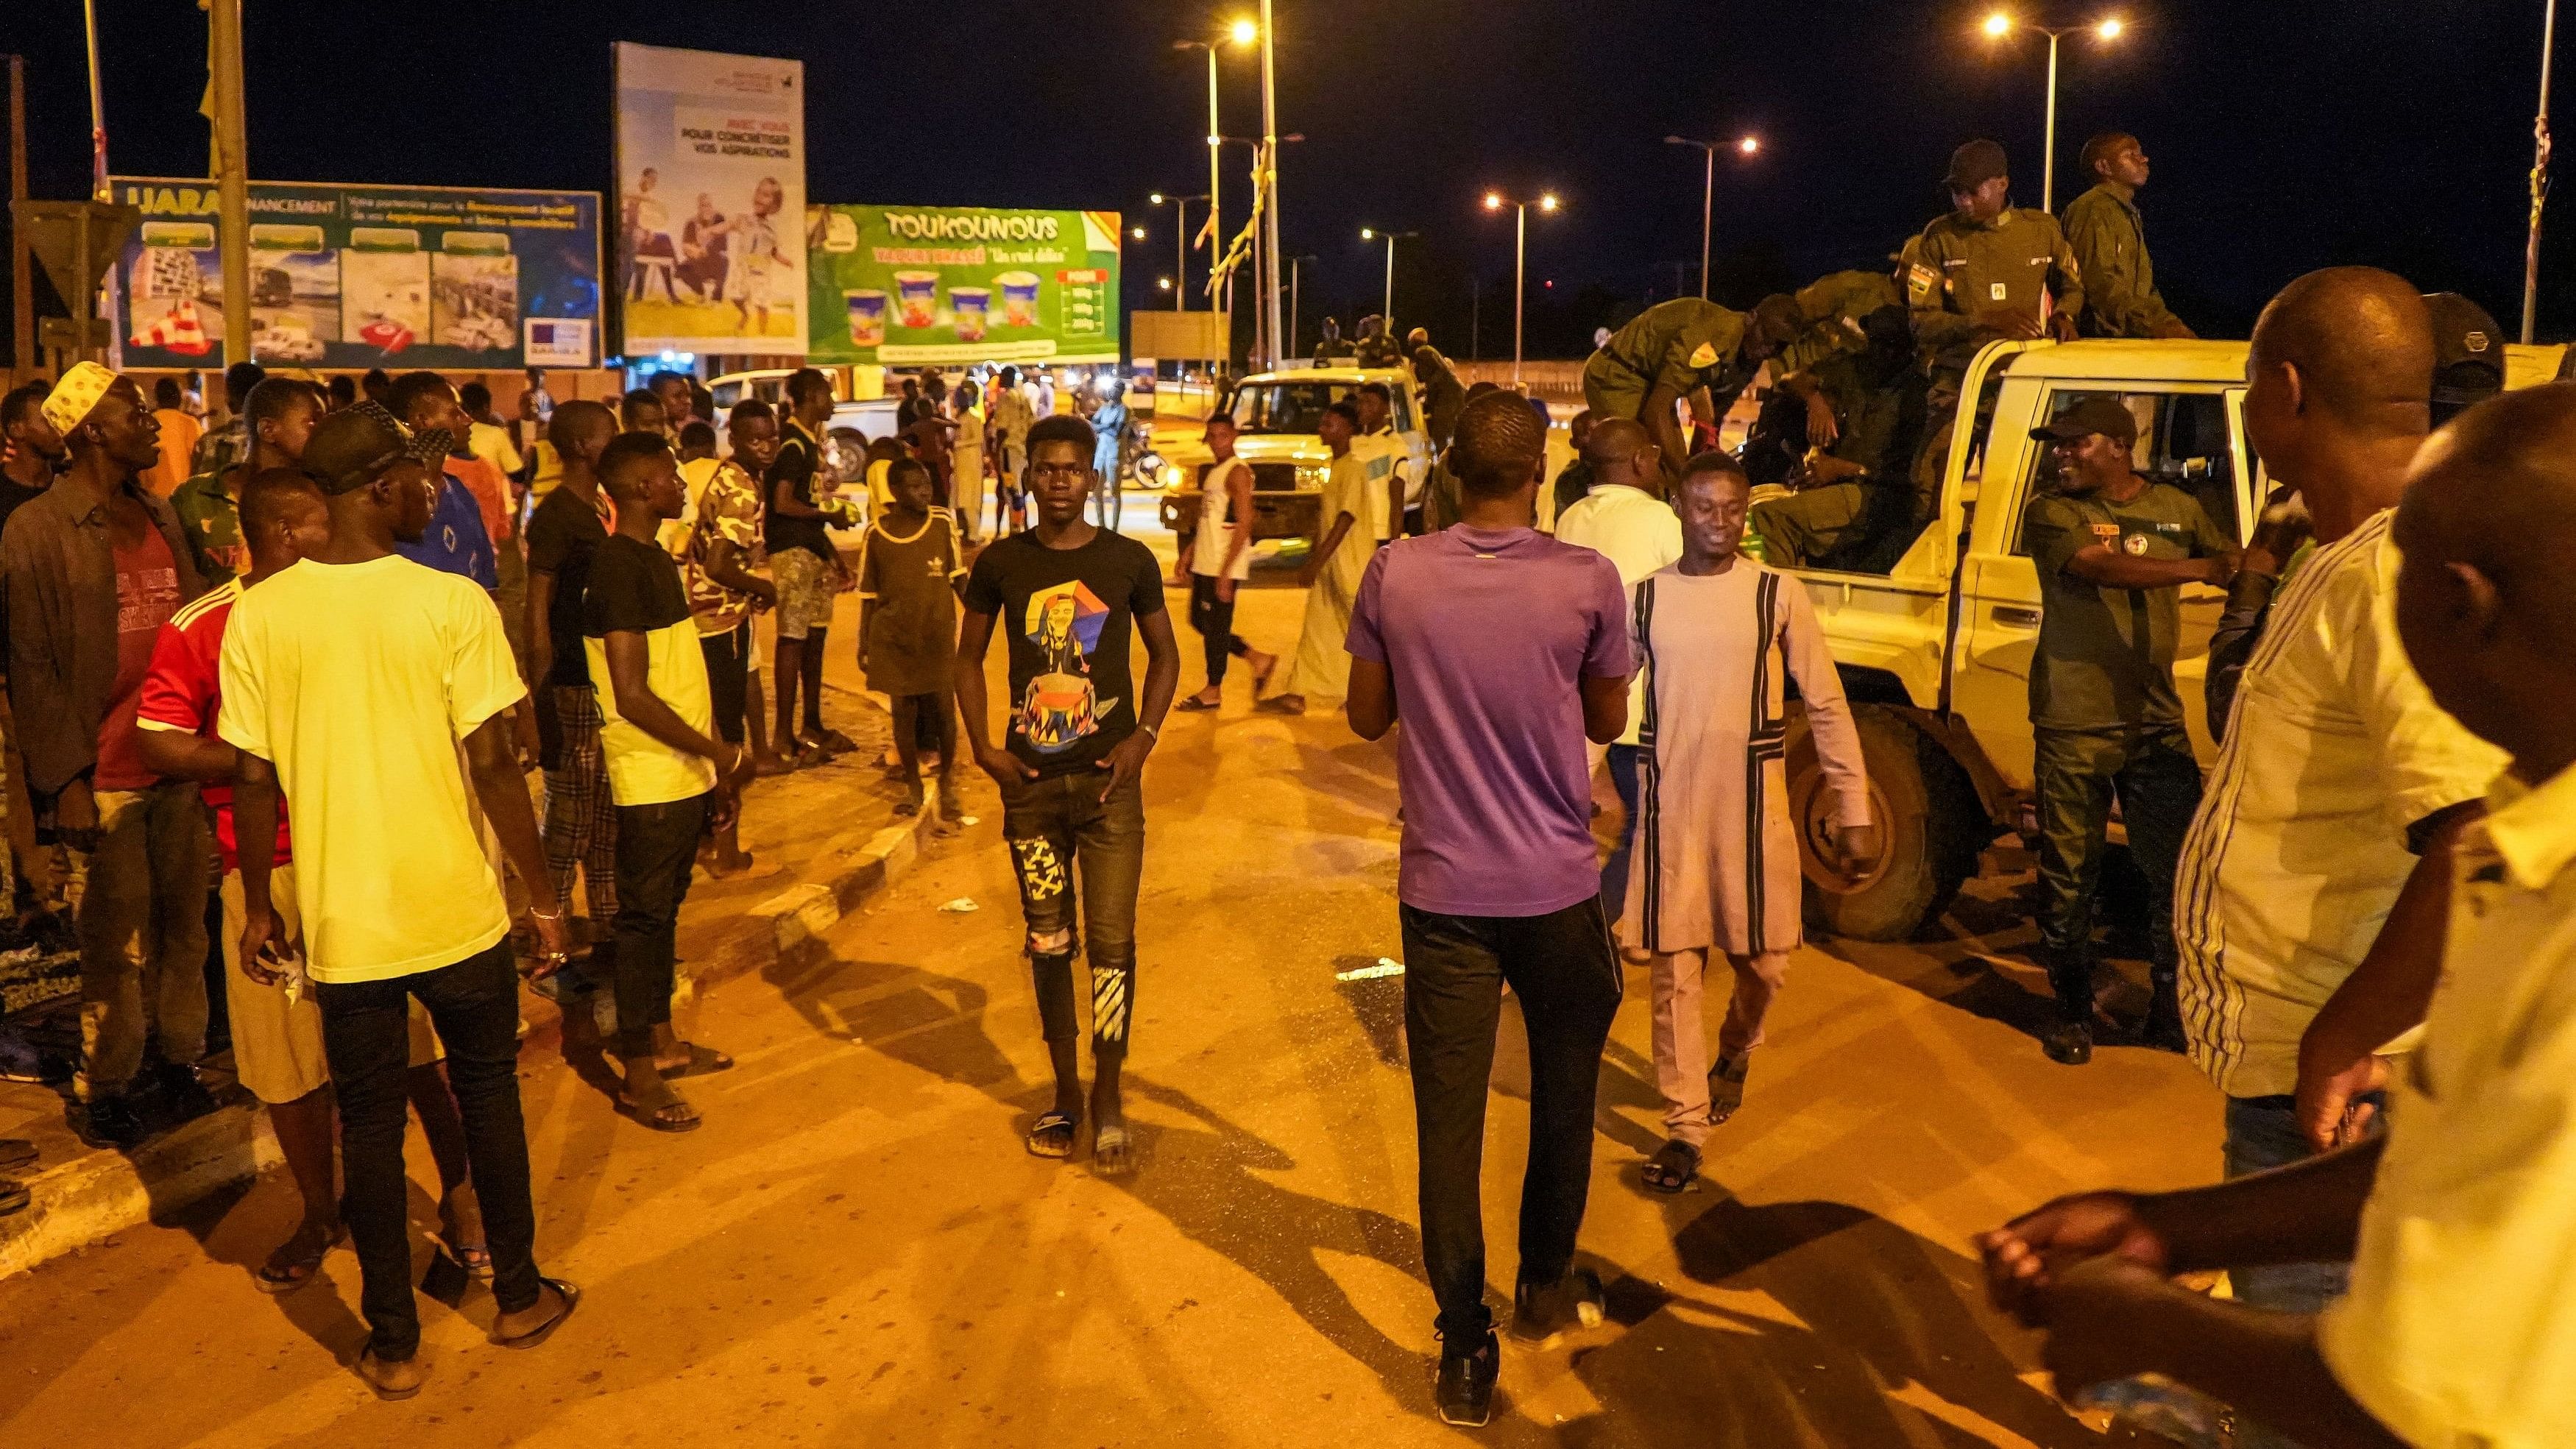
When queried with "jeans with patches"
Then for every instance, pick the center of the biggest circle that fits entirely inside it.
(1062, 834)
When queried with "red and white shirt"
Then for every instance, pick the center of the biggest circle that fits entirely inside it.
(181, 692)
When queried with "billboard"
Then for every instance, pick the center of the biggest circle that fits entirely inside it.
(907, 285)
(365, 276)
(711, 186)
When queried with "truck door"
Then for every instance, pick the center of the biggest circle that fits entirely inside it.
(2189, 437)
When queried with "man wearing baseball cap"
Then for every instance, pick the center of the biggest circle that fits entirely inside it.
(1985, 271)
(2113, 551)
(95, 565)
(348, 682)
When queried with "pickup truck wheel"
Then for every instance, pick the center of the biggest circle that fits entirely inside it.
(1927, 811)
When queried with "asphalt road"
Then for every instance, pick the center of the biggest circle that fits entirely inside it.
(856, 1250)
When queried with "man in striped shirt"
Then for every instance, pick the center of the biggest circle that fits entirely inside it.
(2309, 903)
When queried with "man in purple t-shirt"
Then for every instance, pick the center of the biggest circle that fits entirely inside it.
(1499, 881)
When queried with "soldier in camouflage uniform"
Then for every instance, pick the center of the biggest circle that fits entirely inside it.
(2110, 242)
(1856, 504)
(1671, 352)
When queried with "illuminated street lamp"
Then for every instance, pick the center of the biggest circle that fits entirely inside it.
(1386, 310)
(1241, 33)
(1746, 146)
(1166, 284)
(1496, 201)
(2001, 24)
(1137, 232)
(1181, 231)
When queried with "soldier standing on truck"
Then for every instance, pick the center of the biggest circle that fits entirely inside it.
(2110, 242)
(1986, 271)
(2113, 551)
(1673, 350)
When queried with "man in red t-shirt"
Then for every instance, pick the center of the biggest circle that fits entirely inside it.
(277, 1027)
(93, 567)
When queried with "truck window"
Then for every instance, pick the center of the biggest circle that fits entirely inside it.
(2182, 442)
(1285, 407)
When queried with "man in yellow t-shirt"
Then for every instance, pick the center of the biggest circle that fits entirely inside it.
(671, 777)
(348, 681)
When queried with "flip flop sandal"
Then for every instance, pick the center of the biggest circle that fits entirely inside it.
(833, 742)
(545, 1330)
(16, 1152)
(656, 1119)
(1111, 1155)
(703, 1061)
(1672, 1167)
(13, 1196)
(1196, 705)
(1726, 1088)
(267, 1279)
(1042, 1138)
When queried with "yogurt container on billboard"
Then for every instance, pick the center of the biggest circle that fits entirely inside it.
(867, 316)
(917, 298)
(1019, 298)
(973, 307)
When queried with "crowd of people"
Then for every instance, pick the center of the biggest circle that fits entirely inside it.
(372, 614)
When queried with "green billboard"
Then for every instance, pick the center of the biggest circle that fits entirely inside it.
(906, 286)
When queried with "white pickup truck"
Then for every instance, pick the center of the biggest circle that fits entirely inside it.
(1936, 654)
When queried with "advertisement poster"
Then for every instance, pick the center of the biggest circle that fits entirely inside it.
(711, 185)
(366, 276)
(908, 285)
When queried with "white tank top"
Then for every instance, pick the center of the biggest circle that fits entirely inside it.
(1207, 555)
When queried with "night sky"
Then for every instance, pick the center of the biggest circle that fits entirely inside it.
(2285, 134)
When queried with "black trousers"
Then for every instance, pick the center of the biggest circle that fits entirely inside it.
(1566, 974)
(366, 1034)
(1214, 619)
(657, 846)
(728, 662)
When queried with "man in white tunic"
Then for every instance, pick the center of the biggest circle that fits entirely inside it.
(1333, 572)
(1717, 868)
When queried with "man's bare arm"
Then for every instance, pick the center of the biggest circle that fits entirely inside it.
(1605, 708)
(2100, 566)
(1371, 702)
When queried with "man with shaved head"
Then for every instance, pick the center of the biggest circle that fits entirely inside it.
(1498, 881)
(2454, 1222)
(2308, 906)
(1624, 518)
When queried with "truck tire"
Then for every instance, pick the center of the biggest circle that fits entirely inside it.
(1927, 810)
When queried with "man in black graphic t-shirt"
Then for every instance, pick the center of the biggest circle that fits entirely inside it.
(1070, 598)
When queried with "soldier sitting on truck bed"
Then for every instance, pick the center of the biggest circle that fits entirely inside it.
(1987, 270)
(1857, 507)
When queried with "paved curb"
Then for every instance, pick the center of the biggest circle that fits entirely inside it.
(79, 1201)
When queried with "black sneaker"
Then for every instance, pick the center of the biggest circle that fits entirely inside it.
(1542, 1312)
(2068, 1043)
(1465, 1392)
(110, 1122)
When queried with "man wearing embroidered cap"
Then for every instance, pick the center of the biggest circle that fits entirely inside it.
(2113, 552)
(1673, 350)
(95, 565)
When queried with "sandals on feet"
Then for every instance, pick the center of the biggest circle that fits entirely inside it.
(1672, 1167)
(1726, 1086)
(571, 1300)
(282, 1274)
(675, 1115)
(703, 1061)
(1110, 1154)
(1197, 704)
(1051, 1135)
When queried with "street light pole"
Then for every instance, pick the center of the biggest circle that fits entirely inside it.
(2539, 173)
(232, 173)
(1270, 167)
(2000, 24)
(1748, 145)
(1296, 276)
(1386, 309)
(1181, 223)
(1496, 201)
(98, 188)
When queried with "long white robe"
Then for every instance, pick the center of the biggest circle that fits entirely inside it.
(1322, 668)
